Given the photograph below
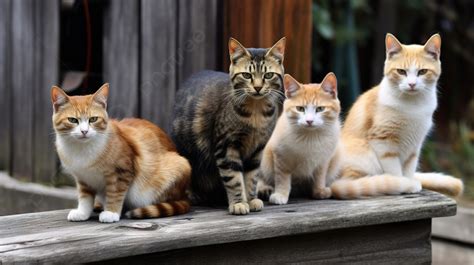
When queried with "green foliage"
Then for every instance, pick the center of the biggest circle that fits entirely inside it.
(456, 157)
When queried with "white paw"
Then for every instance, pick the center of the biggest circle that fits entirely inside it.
(256, 205)
(77, 216)
(109, 217)
(240, 208)
(277, 198)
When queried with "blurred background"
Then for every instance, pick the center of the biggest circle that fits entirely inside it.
(146, 48)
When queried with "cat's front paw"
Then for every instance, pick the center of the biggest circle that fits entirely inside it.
(277, 198)
(77, 215)
(256, 205)
(240, 208)
(323, 193)
(109, 217)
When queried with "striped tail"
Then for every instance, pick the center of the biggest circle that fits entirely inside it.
(441, 183)
(163, 209)
(373, 186)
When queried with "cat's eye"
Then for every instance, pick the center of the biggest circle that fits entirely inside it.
(72, 120)
(247, 75)
(320, 108)
(268, 75)
(93, 119)
(401, 72)
(300, 108)
(422, 71)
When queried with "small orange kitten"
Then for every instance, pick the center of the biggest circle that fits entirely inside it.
(303, 142)
(385, 129)
(129, 163)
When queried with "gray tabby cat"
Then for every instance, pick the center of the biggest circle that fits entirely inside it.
(223, 121)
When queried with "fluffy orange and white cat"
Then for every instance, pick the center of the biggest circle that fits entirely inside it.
(129, 164)
(384, 132)
(303, 147)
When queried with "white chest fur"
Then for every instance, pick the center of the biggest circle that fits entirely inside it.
(412, 113)
(304, 153)
(79, 159)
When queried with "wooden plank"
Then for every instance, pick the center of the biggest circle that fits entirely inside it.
(46, 49)
(394, 243)
(199, 44)
(250, 22)
(158, 60)
(48, 237)
(121, 57)
(22, 86)
(5, 88)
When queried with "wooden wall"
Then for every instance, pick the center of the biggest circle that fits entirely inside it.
(260, 23)
(146, 56)
(29, 32)
(149, 48)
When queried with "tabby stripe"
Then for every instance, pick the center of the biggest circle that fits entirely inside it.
(220, 153)
(251, 165)
(230, 165)
(232, 186)
(240, 111)
(269, 113)
(227, 178)
(257, 151)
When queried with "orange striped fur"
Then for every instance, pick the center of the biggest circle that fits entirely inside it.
(124, 165)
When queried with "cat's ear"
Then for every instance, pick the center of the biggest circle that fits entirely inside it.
(58, 98)
(329, 84)
(278, 49)
(433, 46)
(392, 45)
(100, 96)
(236, 49)
(291, 86)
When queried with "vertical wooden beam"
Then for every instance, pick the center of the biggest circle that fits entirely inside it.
(121, 57)
(159, 60)
(259, 23)
(5, 88)
(22, 86)
(46, 41)
(199, 43)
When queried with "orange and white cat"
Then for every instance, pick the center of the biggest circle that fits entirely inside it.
(303, 146)
(129, 163)
(384, 132)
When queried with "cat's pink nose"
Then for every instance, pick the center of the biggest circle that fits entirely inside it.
(84, 132)
(309, 122)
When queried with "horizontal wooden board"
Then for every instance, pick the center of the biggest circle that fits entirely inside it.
(394, 243)
(48, 237)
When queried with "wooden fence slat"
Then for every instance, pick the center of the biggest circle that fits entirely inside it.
(199, 44)
(254, 25)
(158, 60)
(46, 39)
(5, 92)
(22, 85)
(121, 57)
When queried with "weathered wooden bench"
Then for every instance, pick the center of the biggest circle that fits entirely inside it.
(383, 230)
